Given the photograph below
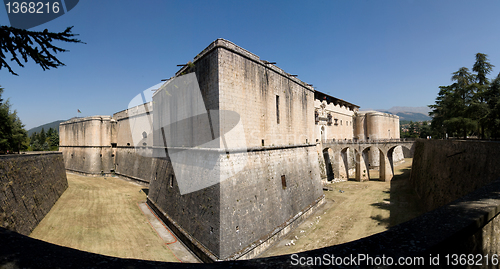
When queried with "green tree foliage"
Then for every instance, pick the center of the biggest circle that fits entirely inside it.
(23, 45)
(12, 133)
(493, 101)
(44, 141)
(466, 107)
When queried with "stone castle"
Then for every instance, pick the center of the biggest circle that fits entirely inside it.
(268, 174)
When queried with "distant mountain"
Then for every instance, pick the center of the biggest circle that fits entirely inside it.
(420, 109)
(46, 127)
(409, 113)
(411, 116)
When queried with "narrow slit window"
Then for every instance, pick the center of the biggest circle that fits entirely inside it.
(283, 181)
(278, 109)
(171, 184)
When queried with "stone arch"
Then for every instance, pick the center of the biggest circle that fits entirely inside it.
(408, 149)
(327, 156)
(362, 161)
(386, 167)
(343, 163)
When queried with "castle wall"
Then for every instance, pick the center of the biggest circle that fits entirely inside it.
(444, 170)
(194, 216)
(258, 192)
(374, 125)
(134, 141)
(86, 144)
(251, 88)
(342, 123)
(278, 109)
(30, 184)
(248, 184)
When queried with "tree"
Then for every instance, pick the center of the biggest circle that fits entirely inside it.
(24, 45)
(42, 137)
(479, 108)
(470, 106)
(493, 101)
(451, 110)
(12, 133)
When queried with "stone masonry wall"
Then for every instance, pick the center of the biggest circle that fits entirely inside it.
(444, 170)
(257, 195)
(132, 151)
(195, 215)
(30, 184)
(277, 114)
(217, 218)
(86, 144)
(342, 126)
(253, 88)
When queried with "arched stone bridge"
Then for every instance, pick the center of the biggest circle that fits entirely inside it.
(336, 158)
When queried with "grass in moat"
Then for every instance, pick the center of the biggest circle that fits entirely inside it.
(354, 210)
(100, 215)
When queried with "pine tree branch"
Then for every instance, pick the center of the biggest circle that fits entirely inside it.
(24, 45)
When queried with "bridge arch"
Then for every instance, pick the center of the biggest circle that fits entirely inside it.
(328, 158)
(365, 152)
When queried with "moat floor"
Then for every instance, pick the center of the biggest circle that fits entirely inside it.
(101, 215)
(354, 210)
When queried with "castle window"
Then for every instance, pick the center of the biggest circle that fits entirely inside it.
(336, 121)
(329, 119)
(316, 116)
(283, 181)
(171, 181)
(278, 109)
(113, 145)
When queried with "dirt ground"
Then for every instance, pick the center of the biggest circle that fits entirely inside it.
(354, 210)
(101, 215)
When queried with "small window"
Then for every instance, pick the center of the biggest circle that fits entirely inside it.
(330, 119)
(316, 116)
(144, 135)
(278, 109)
(113, 145)
(283, 181)
(171, 181)
(262, 142)
(128, 144)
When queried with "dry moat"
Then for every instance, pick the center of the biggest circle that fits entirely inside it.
(101, 215)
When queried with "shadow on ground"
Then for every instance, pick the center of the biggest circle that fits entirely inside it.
(403, 204)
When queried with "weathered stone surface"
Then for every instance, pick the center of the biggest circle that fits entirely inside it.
(30, 184)
(444, 170)
(280, 177)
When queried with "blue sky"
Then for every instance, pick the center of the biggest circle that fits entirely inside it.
(376, 54)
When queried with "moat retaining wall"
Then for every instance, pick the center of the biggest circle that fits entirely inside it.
(445, 170)
(30, 184)
(469, 225)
